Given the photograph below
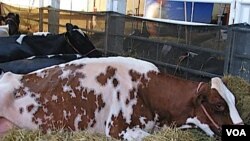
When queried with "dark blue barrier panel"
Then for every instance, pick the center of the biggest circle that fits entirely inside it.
(175, 10)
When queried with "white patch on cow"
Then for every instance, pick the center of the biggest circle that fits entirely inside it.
(134, 134)
(84, 112)
(41, 74)
(30, 58)
(54, 98)
(45, 101)
(78, 55)
(41, 33)
(65, 114)
(45, 110)
(202, 126)
(50, 117)
(11, 81)
(39, 121)
(228, 97)
(65, 74)
(149, 125)
(83, 97)
(142, 120)
(49, 56)
(186, 126)
(18, 94)
(76, 121)
(19, 40)
(80, 31)
(67, 88)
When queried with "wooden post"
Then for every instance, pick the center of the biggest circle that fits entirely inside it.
(53, 17)
(40, 15)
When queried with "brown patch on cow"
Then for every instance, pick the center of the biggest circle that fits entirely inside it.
(115, 82)
(100, 103)
(103, 78)
(118, 96)
(119, 125)
(109, 125)
(30, 107)
(132, 93)
(21, 110)
(33, 119)
(135, 76)
(140, 110)
(93, 123)
(33, 95)
(73, 67)
(127, 101)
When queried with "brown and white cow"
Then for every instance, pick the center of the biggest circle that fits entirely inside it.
(120, 97)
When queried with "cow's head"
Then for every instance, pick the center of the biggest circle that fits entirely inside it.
(215, 106)
(13, 21)
(80, 41)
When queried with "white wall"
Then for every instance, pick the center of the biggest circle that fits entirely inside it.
(75, 5)
(26, 3)
(132, 4)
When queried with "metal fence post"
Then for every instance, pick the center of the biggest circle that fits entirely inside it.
(106, 33)
(228, 50)
(53, 17)
(40, 19)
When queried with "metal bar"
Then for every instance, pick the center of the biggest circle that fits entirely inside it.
(106, 33)
(174, 21)
(40, 19)
(184, 46)
(197, 72)
(242, 56)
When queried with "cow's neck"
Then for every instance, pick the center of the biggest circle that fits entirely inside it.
(164, 93)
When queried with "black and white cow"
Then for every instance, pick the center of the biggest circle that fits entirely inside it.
(74, 41)
(23, 54)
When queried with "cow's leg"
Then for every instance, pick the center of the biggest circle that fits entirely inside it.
(118, 128)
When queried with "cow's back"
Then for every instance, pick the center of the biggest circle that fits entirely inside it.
(86, 93)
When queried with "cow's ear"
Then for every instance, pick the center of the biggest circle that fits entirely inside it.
(202, 93)
(69, 27)
(17, 19)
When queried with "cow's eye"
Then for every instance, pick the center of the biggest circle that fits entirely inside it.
(219, 107)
